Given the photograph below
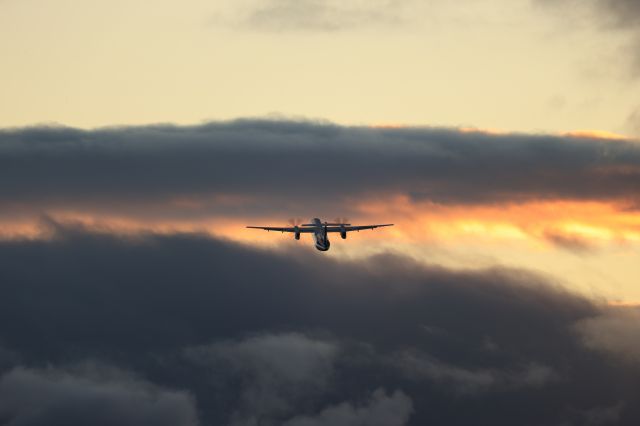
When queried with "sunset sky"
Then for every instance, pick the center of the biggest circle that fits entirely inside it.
(138, 139)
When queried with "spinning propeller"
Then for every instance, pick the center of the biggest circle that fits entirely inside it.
(295, 221)
(341, 221)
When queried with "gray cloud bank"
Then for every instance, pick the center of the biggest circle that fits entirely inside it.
(185, 329)
(290, 167)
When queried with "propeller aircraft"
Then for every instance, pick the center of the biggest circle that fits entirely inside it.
(320, 230)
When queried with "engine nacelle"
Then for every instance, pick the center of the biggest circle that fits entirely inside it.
(343, 233)
(296, 233)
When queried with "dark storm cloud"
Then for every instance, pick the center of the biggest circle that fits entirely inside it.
(295, 337)
(283, 166)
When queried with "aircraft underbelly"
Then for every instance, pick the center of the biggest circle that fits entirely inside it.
(322, 243)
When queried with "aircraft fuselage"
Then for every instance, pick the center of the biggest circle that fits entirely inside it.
(320, 235)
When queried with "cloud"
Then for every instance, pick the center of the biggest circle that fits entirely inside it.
(612, 15)
(609, 415)
(278, 370)
(633, 122)
(7, 358)
(259, 168)
(290, 357)
(319, 15)
(614, 332)
(45, 397)
(293, 336)
(625, 13)
(469, 382)
(596, 416)
(380, 410)
(571, 242)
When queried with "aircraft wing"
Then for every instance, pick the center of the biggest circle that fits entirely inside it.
(355, 228)
(285, 229)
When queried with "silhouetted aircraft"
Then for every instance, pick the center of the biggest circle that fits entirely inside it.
(320, 230)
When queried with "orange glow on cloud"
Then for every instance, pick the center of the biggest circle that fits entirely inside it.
(593, 221)
(536, 223)
(388, 126)
(623, 304)
(556, 234)
(588, 133)
(596, 134)
(486, 131)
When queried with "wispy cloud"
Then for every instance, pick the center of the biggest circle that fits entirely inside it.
(610, 15)
(633, 122)
(319, 15)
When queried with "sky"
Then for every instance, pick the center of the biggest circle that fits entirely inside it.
(502, 139)
(524, 65)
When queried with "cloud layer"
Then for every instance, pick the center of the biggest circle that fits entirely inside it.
(187, 324)
(274, 167)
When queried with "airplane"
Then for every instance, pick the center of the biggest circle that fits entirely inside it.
(320, 230)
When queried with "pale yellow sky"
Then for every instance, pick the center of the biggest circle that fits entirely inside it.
(502, 64)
